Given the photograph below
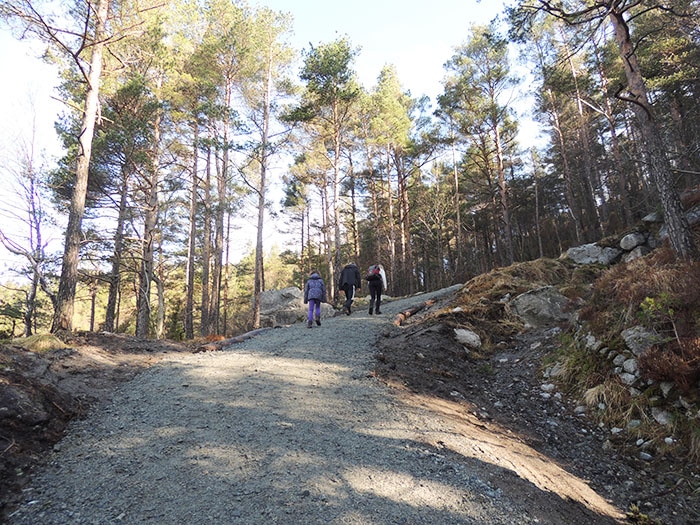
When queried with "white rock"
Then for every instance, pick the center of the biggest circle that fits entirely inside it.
(619, 359)
(468, 337)
(638, 339)
(662, 417)
(630, 366)
(632, 240)
(628, 379)
(666, 387)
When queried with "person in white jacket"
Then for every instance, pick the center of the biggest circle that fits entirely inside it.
(376, 278)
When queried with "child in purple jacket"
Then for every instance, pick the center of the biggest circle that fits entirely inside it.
(314, 295)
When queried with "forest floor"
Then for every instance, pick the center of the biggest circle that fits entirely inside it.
(496, 403)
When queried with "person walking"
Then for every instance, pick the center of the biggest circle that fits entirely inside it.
(349, 281)
(376, 278)
(314, 295)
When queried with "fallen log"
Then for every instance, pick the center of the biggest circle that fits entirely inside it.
(402, 316)
(214, 346)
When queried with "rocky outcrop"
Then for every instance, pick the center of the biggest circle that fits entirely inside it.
(631, 246)
(593, 254)
(541, 307)
(286, 306)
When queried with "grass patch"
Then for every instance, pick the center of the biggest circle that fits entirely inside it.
(40, 343)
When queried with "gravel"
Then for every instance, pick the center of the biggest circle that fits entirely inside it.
(290, 426)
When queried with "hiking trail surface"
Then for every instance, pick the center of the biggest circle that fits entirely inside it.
(299, 425)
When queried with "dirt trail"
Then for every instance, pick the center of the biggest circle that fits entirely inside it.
(293, 426)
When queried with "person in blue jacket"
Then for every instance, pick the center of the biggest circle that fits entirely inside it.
(314, 295)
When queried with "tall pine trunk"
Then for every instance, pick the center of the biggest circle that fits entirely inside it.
(115, 273)
(259, 279)
(143, 302)
(206, 248)
(63, 315)
(191, 245)
(679, 233)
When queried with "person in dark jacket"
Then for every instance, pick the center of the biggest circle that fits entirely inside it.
(376, 279)
(349, 281)
(314, 295)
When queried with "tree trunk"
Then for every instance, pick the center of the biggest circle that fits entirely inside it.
(503, 194)
(390, 218)
(259, 283)
(191, 245)
(574, 207)
(160, 318)
(143, 313)
(206, 248)
(115, 273)
(63, 315)
(679, 232)
(336, 188)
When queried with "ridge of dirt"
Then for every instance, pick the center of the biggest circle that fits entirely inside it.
(493, 412)
(507, 390)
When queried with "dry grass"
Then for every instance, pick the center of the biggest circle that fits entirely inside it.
(40, 343)
(482, 304)
(677, 362)
(671, 287)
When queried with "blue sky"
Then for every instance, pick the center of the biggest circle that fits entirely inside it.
(416, 36)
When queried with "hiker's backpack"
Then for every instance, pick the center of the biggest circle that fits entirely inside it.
(374, 273)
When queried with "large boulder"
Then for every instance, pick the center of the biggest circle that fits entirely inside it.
(286, 306)
(632, 240)
(638, 339)
(541, 307)
(593, 254)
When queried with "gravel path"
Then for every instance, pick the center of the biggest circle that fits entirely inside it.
(288, 427)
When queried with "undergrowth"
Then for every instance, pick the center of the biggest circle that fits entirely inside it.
(657, 292)
(661, 294)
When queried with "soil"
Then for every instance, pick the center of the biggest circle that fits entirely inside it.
(440, 434)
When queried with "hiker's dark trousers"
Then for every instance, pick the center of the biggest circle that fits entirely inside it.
(375, 293)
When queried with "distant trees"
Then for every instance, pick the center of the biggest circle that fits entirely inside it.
(326, 111)
(27, 210)
(477, 92)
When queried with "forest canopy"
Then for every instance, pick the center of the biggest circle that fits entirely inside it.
(177, 111)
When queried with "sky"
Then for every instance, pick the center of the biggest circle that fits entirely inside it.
(414, 36)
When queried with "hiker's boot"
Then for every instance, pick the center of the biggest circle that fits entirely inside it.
(309, 324)
(318, 320)
(378, 312)
(371, 310)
